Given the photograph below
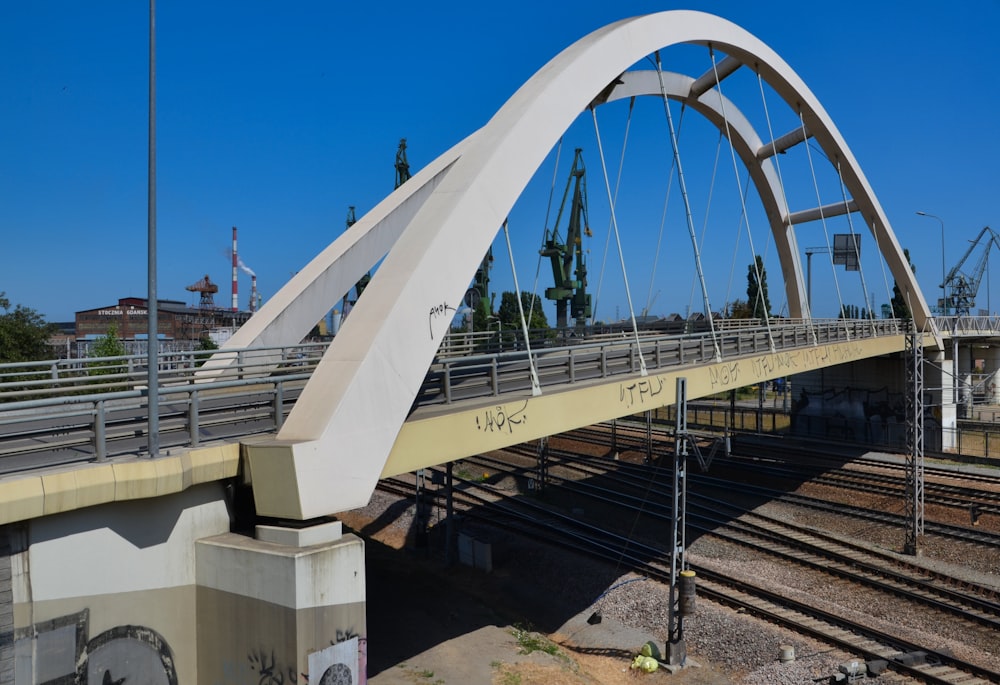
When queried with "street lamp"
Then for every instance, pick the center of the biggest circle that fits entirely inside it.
(499, 329)
(944, 292)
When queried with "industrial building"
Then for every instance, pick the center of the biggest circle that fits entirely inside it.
(175, 320)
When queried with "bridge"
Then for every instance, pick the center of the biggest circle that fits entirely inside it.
(60, 412)
(310, 430)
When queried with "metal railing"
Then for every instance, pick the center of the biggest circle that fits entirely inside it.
(453, 379)
(968, 325)
(79, 410)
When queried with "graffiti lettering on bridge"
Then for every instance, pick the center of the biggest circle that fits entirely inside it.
(500, 419)
(436, 311)
(775, 364)
(724, 374)
(640, 391)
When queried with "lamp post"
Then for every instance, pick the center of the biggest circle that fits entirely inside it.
(499, 330)
(944, 292)
(152, 301)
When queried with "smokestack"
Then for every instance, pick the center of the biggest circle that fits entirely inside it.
(253, 294)
(236, 301)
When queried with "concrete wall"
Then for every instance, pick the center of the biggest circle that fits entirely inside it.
(158, 591)
(293, 604)
(862, 401)
(111, 590)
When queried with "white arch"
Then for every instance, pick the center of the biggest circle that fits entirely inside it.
(746, 141)
(292, 312)
(329, 454)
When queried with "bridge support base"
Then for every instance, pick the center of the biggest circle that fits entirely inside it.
(291, 601)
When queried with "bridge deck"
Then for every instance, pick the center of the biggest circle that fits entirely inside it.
(482, 424)
(480, 402)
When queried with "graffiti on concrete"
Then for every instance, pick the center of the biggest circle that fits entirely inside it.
(337, 664)
(268, 670)
(852, 414)
(128, 654)
(502, 418)
(62, 654)
(639, 392)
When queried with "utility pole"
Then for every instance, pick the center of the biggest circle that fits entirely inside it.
(944, 286)
(152, 302)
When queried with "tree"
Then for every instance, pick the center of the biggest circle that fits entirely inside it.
(851, 311)
(24, 334)
(108, 345)
(205, 344)
(757, 299)
(900, 308)
(510, 316)
(737, 309)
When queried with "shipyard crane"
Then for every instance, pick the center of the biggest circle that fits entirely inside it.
(206, 289)
(962, 286)
(402, 166)
(569, 291)
(362, 283)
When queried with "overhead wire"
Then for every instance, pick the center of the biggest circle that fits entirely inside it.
(708, 207)
(687, 208)
(621, 254)
(857, 249)
(536, 388)
(805, 310)
(885, 279)
(822, 217)
(607, 240)
(756, 265)
(545, 229)
(736, 245)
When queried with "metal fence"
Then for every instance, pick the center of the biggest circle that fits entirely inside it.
(81, 409)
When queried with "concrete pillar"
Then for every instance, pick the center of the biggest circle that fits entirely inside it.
(107, 592)
(940, 382)
(963, 374)
(289, 603)
(991, 367)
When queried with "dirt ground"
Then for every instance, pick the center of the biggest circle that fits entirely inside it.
(431, 625)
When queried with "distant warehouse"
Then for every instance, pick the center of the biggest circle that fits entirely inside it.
(175, 321)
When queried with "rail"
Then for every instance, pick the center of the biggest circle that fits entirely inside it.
(602, 355)
(968, 325)
(63, 411)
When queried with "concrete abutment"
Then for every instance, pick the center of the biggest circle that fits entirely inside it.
(159, 590)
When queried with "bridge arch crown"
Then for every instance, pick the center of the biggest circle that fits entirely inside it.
(331, 450)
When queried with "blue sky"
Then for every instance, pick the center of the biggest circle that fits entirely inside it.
(275, 119)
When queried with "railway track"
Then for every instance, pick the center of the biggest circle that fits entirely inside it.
(796, 543)
(530, 518)
(835, 474)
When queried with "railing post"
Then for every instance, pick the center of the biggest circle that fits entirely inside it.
(572, 367)
(446, 379)
(193, 428)
(279, 405)
(494, 380)
(604, 362)
(100, 432)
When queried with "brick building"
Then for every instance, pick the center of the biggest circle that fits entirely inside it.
(175, 320)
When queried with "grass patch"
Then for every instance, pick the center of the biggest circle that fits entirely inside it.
(510, 678)
(529, 641)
